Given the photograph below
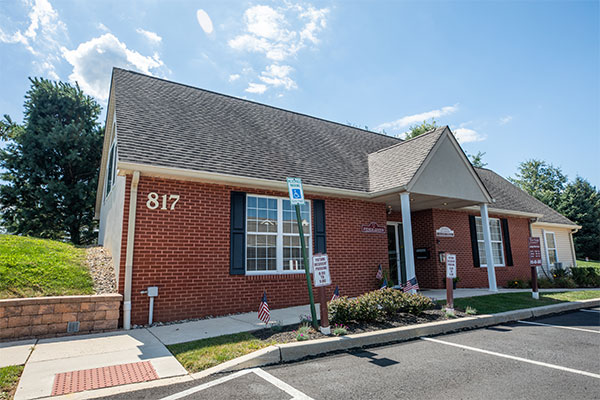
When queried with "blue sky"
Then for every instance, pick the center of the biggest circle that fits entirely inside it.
(515, 80)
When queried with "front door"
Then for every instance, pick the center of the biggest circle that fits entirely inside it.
(396, 252)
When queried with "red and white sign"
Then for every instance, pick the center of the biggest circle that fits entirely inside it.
(321, 270)
(444, 231)
(450, 265)
(535, 252)
(372, 228)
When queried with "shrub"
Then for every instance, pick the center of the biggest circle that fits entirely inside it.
(341, 310)
(564, 282)
(518, 284)
(545, 283)
(586, 276)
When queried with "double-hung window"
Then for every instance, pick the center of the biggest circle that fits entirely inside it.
(272, 238)
(551, 248)
(496, 239)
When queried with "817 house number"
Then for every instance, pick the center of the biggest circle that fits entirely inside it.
(167, 200)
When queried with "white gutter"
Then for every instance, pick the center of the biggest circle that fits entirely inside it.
(504, 212)
(575, 228)
(129, 251)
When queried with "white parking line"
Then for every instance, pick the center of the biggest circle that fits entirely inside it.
(493, 353)
(594, 311)
(296, 394)
(560, 326)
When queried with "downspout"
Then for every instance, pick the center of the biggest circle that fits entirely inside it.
(571, 233)
(129, 251)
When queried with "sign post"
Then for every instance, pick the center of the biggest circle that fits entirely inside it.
(535, 260)
(450, 275)
(296, 199)
(322, 279)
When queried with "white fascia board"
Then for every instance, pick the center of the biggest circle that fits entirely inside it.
(555, 225)
(505, 212)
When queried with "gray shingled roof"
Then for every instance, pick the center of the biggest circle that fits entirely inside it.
(510, 197)
(396, 165)
(162, 123)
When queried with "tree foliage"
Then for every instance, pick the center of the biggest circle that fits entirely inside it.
(51, 164)
(543, 181)
(477, 159)
(580, 202)
(420, 129)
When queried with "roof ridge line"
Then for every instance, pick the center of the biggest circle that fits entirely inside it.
(257, 103)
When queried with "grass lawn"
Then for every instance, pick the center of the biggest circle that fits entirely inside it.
(581, 263)
(9, 378)
(205, 353)
(496, 303)
(38, 267)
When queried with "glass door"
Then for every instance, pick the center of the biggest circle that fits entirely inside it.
(396, 252)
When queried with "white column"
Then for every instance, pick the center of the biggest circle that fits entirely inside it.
(489, 256)
(409, 254)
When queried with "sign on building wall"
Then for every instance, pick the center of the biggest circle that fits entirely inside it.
(450, 265)
(535, 252)
(444, 231)
(295, 191)
(372, 228)
(321, 270)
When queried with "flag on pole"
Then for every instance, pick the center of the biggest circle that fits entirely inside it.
(263, 310)
(384, 286)
(336, 293)
(379, 273)
(411, 284)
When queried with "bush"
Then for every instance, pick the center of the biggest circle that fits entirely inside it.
(564, 282)
(518, 284)
(586, 276)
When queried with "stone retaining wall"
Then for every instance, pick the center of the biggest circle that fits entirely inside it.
(49, 316)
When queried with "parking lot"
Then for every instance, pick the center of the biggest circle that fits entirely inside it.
(549, 358)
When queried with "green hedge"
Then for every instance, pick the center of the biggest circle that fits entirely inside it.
(586, 276)
(376, 306)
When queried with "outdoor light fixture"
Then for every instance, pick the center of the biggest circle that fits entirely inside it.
(389, 210)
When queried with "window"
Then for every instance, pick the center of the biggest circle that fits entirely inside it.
(110, 170)
(496, 239)
(551, 248)
(272, 238)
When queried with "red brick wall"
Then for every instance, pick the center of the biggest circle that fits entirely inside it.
(185, 252)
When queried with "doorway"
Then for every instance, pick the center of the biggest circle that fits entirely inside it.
(396, 252)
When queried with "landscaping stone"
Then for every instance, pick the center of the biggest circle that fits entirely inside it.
(102, 270)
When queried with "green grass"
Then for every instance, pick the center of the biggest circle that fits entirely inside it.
(9, 378)
(38, 267)
(581, 263)
(205, 353)
(496, 303)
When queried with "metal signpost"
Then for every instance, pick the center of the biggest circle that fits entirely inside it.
(297, 199)
(322, 279)
(535, 260)
(450, 275)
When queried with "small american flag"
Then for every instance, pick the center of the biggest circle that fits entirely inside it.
(336, 293)
(385, 284)
(379, 273)
(411, 284)
(263, 310)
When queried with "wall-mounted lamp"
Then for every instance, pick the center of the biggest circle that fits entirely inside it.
(389, 210)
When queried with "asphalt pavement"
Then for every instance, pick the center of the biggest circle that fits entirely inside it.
(552, 357)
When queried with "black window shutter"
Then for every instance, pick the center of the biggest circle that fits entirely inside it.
(474, 246)
(237, 243)
(506, 237)
(319, 226)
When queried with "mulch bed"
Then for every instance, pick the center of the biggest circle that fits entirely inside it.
(287, 334)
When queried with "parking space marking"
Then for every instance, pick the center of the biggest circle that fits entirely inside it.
(559, 326)
(295, 393)
(493, 353)
(594, 311)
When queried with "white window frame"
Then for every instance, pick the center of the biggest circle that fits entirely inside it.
(279, 240)
(555, 248)
(501, 241)
(112, 148)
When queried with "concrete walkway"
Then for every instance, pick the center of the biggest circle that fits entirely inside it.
(440, 294)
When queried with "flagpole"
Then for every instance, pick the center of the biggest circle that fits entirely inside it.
(313, 313)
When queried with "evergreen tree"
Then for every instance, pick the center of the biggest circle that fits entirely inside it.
(543, 181)
(51, 164)
(580, 202)
(477, 159)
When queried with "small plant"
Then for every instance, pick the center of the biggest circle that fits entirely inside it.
(450, 313)
(305, 319)
(304, 328)
(277, 326)
(470, 310)
(339, 330)
(301, 336)
(518, 284)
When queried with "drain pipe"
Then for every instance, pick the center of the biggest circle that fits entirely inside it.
(129, 251)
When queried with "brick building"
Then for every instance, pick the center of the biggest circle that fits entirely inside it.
(192, 198)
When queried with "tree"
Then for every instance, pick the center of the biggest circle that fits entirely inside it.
(420, 129)
(51, 164)
(543, 181)
(477, 159)
(580, 202)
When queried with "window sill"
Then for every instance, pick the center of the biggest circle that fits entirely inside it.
(276, 277)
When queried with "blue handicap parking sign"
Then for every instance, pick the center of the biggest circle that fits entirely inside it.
(295, 191)
(296, 194)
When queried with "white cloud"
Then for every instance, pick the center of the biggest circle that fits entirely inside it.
(102, 27)
(152, 37)
(466, 135)
(42, 37)
(278, 75)
(204, 21)
(506, 120)
(93, 60)
(417, 118)
(234, 77)
(256, 88)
